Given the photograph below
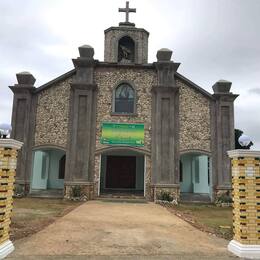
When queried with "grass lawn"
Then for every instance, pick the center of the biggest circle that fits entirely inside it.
(207, 217)
(30, 215)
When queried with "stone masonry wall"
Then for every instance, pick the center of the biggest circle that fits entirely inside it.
(194, 119)
(107, 79)
(143, 81)
(52, 115)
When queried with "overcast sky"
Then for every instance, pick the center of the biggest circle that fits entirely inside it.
(212, 39)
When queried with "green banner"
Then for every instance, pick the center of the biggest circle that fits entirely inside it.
(122, 134)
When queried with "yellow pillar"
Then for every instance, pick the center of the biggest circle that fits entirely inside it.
(246, 203)
(8, 158)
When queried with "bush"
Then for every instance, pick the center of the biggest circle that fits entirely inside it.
(18, 190)
(165, 196)
(224, 198)
(75, 191)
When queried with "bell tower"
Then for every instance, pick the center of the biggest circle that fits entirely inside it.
(126, 44)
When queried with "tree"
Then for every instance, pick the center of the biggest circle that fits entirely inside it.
(238, 133)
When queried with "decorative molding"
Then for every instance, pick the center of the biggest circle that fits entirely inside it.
(6, 248)
(243, 153)
(120, 28)
(164, 89)
(83, 86)
(245, 251)
(122, 148)
(49, 146)
(165, 185)
(71, 183)
(55, 81)
(10, 143)
(197, 151)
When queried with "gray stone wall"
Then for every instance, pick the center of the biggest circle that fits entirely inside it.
(143, 80)
(52, 115)
(194, 119)
(140, 36)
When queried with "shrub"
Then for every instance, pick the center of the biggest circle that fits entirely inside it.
(75, 191)
(18, 190)
(224, 198)
(165, 196)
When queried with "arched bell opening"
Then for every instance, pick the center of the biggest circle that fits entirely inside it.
(126, 50)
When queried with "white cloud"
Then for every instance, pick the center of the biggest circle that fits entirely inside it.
(211, 39)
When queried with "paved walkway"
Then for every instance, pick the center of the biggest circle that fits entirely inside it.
(112, 230)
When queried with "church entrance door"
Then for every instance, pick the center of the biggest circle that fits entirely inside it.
(121, 172)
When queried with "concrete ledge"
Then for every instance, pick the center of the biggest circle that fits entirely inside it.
(10, 143)
(165, 185)
(6, 248)
(246, 251)
(243, 153)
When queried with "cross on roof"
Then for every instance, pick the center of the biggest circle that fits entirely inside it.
(127, 10)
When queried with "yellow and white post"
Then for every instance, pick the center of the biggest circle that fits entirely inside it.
(246, 203)
(8, 159)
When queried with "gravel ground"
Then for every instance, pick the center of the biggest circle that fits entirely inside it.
(112, 230)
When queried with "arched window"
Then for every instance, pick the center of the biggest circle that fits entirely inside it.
(124, 99)
(126, 50)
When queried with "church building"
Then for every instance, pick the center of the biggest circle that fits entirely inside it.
(123, 126)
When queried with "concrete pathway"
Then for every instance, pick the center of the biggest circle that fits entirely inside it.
(112, 230)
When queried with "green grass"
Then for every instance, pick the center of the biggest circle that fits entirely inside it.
(210, 218)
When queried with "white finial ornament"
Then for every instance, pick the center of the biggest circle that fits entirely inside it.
(5, 129)
(244, 140)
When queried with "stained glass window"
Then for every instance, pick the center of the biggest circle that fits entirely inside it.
(124, 99)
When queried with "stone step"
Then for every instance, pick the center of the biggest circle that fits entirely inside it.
(195, 197)
(122, 197)
(49, 193)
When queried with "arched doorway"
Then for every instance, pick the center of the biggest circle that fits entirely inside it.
(48, 170)
(195, 176)
(122, 172)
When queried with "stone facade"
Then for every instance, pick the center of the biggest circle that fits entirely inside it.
(142, 80)
(107, 80)
(194, 119)
(178, 116)
(52, 115)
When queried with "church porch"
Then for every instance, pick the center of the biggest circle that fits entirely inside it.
(195, 178)
(48, 173)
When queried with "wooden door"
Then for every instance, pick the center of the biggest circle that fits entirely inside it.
(121, 171)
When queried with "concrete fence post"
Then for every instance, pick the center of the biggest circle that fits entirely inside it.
(246, 203)
(8, 160)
